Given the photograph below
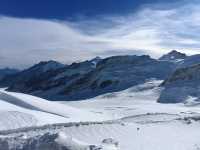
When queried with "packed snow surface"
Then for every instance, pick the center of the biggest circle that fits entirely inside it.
(21, 110)
(133, 102)
(147, 125)
(136, 120)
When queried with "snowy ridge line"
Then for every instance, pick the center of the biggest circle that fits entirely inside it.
(148, 114)
(116, 121)
(189, 118)
(17, 101)
(14, 100)
(57, 126)
(176, 117)
(36, 105)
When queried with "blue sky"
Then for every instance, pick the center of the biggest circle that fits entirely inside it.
(75, 30)
(70, 9)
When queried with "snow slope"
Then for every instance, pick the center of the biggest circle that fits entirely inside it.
(20, 110)
(145, 124)
(139, 122)
(157, 136)
(138, 105)
(138, 100)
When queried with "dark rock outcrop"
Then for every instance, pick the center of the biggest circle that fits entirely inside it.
(181, 85)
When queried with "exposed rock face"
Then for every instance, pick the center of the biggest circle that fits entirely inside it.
(90, 78)
(173, 56)
(182, 84)
(117, 73)
(47, 80)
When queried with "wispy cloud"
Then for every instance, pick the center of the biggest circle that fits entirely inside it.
(151, 30)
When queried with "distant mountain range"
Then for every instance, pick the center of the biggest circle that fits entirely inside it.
(6, 72)
(55, 81)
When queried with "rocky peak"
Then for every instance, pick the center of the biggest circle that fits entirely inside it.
(47, 65)
(173, 56)
(125, 60)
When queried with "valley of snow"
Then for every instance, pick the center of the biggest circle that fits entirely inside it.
(131, 117)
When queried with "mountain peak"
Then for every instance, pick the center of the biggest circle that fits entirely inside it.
(96, 58)
(47, 65)
(95, 61)
(173, 56)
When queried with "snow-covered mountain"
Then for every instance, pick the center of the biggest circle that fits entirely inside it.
(49, 83)
(31, 75)
(55, 81)
(117, 73)
(91, 78)
(108, 122)
(125, 115)
(173, 56)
